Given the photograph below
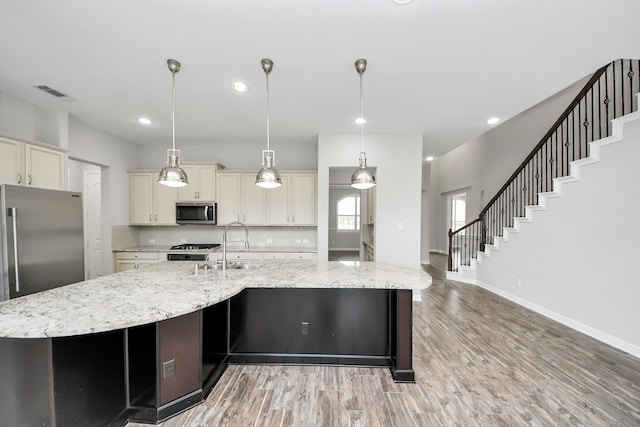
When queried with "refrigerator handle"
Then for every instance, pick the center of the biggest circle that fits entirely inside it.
(13, 213)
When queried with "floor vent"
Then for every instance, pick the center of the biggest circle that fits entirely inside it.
(54, 92)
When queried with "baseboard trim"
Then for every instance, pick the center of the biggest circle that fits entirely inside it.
(567, 321)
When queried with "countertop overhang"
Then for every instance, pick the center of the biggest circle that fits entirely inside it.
(172, 289)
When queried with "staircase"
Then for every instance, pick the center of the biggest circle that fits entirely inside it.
(595, 118)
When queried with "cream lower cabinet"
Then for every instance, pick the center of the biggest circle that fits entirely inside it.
(31, 165)
(135, 260)
(202, 183)
(151, 203)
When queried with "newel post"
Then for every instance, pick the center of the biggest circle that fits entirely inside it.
(450, 262)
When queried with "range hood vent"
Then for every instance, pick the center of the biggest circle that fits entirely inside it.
(54, 92)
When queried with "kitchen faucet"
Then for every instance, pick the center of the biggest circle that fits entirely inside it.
(224, 242)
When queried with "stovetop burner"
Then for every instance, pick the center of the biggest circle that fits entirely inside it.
(195, 246)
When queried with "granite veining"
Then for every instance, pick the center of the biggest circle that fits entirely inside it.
(171, 289)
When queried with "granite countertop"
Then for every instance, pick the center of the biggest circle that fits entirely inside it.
(233, 248)
(171, 289)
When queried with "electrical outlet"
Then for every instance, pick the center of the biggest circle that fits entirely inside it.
(152, 242)
(297, 240)
(269, 240)
(183, 240)
(519, 283)
(305, 241)
(304, 328)
(169, 368)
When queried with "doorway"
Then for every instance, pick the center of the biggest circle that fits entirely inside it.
(86, 178)
(348, 227)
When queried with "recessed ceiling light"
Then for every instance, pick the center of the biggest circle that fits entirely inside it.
(402, 1)
(429, 158)
(360, 121)
(239, 87)
(144, 121)
(493, 120)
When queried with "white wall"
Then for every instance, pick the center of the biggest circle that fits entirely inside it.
(575, 261)
(398, 159)
(115, 156)
(232, 155)
(483, 164)
(21, 118)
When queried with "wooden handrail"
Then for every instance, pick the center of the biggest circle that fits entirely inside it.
(596, 76)
(523, 186)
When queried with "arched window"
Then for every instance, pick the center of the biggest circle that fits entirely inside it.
(349, 213)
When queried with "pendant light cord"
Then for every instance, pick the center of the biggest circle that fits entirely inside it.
(173, 109)
(268, 147)
(361, 118)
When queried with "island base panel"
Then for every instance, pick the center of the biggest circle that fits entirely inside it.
(26, 394)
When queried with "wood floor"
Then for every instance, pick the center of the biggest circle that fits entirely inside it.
(479, 360)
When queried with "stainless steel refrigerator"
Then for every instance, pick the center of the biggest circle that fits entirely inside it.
(41, 240)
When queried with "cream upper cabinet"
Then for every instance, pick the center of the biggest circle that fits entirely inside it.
(277, 203)
(31, 165)
(228, 197)
(10, 161)
(371, 205)
(252, 200)
(202, 183)
(151, 203)
(293, 203)
(303, 199)
(44, 167)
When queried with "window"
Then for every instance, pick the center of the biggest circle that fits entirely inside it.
(458, 211)
(349, 213)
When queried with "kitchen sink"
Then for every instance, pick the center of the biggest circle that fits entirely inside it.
(232, 265)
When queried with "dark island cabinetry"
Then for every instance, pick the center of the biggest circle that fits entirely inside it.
(148, 373)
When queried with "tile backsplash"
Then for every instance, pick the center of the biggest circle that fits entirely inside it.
(124, 236)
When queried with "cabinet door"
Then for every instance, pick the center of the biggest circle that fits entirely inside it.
(371, 205)
(10, 162)
(207, 180)
(277, 203)
(140, 198)
(228, 193)
(164, 203)
(189, 193)
(252, 200)
(44, 167)
(303, 199)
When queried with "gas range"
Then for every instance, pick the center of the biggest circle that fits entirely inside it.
(191, 251)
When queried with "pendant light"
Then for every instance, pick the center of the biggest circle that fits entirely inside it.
(173, 175)
(362, 178)
(268, 176)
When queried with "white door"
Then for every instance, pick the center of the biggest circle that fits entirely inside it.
(92, 223)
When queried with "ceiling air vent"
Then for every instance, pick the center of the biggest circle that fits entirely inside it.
(54, 92)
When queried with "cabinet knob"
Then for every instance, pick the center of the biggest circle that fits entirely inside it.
(19, 178)
(28, 179)
(150, 218)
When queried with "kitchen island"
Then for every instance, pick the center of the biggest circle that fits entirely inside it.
(146, 344)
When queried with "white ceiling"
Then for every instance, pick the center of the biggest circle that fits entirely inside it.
(436, 67)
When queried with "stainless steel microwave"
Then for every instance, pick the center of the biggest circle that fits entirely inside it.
(196, 213)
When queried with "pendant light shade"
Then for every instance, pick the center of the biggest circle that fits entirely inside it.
(172, 175)
(362, 178)
(268, 176)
